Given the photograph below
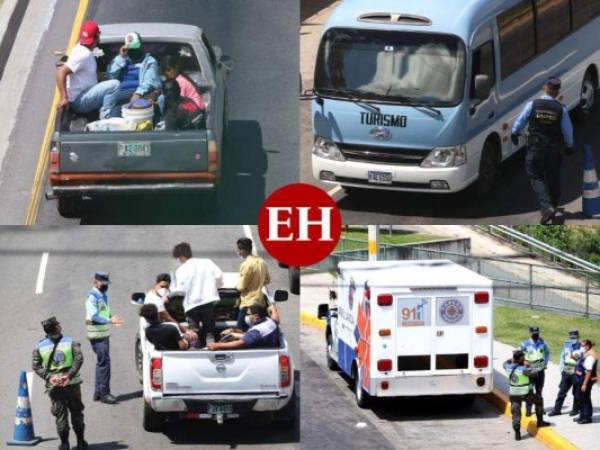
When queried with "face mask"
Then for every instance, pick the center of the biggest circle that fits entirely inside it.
(535, 337)
(248, 321)
(163, 292)
(103, 288)
(574, 340)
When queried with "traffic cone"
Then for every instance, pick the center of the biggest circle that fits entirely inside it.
(591, 188)
(24, 434)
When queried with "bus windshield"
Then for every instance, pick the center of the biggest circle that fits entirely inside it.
(391, 66)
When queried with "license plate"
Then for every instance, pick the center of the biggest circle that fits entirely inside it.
(220, 409)
(134, 149)
(380, 177)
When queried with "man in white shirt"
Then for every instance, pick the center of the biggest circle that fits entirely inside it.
(199, 279)
(77, 78)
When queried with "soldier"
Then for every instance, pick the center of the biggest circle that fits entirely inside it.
(550, 130)
(567, 369)
(537, 355)
(57, 359)
(521, 389)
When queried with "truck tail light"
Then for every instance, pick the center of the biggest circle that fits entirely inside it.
(285, 371)
(481, 330)
(213, 156)
(482, 297)
(54, 160)
(156, 373)
(385, 299)
(481, 361)
(384, 365)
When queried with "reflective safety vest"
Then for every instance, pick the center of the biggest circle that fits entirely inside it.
(62, 360)
(568, 361)
(519, 382)
(534, 353)
(97, 330)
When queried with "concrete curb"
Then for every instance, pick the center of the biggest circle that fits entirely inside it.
(547, 436)
(11, 16)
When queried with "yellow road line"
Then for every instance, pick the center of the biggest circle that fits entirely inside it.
(40, 169)
(548, 436)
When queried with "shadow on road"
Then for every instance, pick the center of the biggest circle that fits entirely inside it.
(129, 396)
(309, 8)
(112, 445)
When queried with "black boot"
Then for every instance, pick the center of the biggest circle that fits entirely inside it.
(541, 423)
(518, 435)
(555, 412)
(64, 441)
(81, 443)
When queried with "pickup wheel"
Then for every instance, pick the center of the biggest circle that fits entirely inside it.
(286, 417)
(139, 358)
(153, 421)
(331, 364)
(70, 206)
(294, 280)
(362, 398)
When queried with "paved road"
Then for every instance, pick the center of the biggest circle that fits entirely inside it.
(331, 419)
(262, 141)
(512, 201)
(133, 256)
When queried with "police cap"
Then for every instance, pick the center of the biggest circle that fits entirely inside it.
(574, 332)
(103, 277)
(50, 324)
(534, 329)
(554, 83)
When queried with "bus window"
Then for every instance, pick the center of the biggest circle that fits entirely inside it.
(483, 64)
(553, 22)
(584, 11)
(517, 37)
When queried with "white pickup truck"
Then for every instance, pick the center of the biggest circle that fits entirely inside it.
(215, 385)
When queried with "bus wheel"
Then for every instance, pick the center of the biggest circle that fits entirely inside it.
(362, 398)
(588, 98)
(488, 169)
(331, 364)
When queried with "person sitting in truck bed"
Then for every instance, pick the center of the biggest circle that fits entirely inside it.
(263, 332)
(171, 69)
(163, 335)
(138, 72)
(181, 113)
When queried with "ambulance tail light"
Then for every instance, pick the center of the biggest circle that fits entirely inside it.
(481, 362)
(156, 374)
(385, 332)
(285, 371)
(482, 298)
(384, 365)
(481, 330)
(385, 299)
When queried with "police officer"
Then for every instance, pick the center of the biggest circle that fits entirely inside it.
(98, 320)
(567, 369)
(586, 374)
(521, 389)
(537, 355)
(550, 128)
(57, 359)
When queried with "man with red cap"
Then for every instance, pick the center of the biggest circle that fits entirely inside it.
(77, 78)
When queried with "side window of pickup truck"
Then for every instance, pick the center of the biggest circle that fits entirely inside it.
(209, 49)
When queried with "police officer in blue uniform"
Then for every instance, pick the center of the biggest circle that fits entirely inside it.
(586, 375)
(567, 369)
(521, 389)
(550, 129)
(537, 356)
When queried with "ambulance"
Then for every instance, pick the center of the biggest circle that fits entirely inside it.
(411, 328)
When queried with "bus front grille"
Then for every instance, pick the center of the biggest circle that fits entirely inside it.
(383, 155)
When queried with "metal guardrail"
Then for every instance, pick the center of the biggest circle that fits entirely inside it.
(554, 254)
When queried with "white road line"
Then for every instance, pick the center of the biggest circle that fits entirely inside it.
(39, 285)
(334, 191)
(248, 234)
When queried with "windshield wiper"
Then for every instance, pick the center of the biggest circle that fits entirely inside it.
(350, 95)
(415, 104)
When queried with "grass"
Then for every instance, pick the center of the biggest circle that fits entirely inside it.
(396, 238)
(512, 327)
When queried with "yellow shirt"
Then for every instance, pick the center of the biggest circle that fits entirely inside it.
(254, 274)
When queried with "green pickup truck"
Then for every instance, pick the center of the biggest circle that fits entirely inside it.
(85, 164)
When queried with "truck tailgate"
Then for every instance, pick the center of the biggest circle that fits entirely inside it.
(221, 372)
(157, 151)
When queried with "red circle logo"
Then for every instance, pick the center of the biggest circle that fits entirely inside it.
(299, 225)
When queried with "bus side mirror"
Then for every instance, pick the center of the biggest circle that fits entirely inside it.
(137, 298)
(483, 87)
(280, 296)
(323, 311)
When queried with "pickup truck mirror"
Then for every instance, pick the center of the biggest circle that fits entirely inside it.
(332, 295)
(137, 298)
(280, 296)
(323, 311)
(226, 62)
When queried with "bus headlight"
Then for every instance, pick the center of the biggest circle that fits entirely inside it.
(327, 149)
(446, 157)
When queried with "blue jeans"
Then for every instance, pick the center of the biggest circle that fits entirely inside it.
(104, 95)
(101, 348)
